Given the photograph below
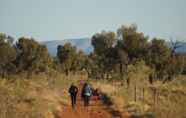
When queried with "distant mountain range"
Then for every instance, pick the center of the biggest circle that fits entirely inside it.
(84, 44)
(182, 49)
(81, 44)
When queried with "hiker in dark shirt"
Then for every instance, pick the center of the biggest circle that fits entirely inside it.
(73, 90)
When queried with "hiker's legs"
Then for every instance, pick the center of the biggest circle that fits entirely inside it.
(86, 100)
(72, 100)
(75, 99)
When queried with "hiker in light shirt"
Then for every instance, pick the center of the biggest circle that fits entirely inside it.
(86, 94)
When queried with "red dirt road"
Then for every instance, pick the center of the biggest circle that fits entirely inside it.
(96, 110)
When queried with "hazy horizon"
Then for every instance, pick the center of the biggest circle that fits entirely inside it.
(66, 19)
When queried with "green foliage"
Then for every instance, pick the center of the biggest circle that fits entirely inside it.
(174, 66)
(113, 53)
(7, 54)
(158, 53)
(135, 43)
(67, 56)
(103, 41)
(80, 60)
(105, 52)
(184, 64)
(92, 67)
(32, 56)
(112, 57)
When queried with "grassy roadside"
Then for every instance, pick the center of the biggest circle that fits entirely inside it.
(168, 102)
(142, 100)
(40, 96)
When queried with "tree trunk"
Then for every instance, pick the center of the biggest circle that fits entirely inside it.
(121, 69)
(67, 72)
(128, 82)
(151, 80)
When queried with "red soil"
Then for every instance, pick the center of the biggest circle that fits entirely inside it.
(96, 110)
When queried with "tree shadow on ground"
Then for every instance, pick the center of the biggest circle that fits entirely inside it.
(108, 103)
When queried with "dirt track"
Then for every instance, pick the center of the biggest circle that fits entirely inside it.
(96, 110)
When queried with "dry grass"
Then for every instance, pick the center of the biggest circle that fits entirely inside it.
(38, 97)
(41, 96)
(169, 101)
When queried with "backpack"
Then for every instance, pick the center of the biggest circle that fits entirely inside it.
(88, 91)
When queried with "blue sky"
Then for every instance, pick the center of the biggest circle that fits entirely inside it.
(64, 19)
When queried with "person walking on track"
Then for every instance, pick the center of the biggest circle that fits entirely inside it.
(73, 90)
(86, 94)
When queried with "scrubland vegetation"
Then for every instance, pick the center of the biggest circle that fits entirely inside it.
(40, 96)
(143, 100)
(142, 76)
